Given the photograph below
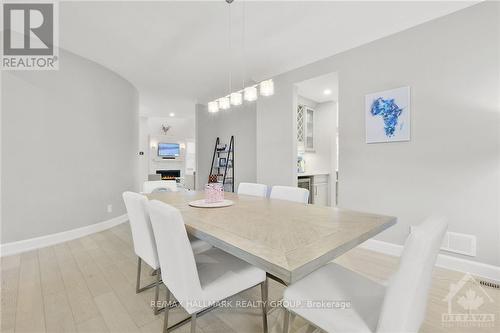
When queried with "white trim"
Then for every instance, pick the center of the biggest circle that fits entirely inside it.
(480, 269)
(11, 248)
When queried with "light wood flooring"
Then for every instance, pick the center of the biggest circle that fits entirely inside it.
(88, 285)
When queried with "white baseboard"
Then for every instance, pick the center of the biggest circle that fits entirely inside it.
(11, 248)
(486, 271)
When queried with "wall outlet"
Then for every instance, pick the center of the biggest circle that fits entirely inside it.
(110, 208)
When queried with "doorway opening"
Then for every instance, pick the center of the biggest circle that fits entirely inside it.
(316, 111)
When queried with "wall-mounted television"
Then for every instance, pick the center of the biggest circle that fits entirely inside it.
(168, 150)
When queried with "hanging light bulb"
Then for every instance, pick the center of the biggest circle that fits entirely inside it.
(213, 107)
(236, 98)
(267, 88)
(224, 103)
(250, 94)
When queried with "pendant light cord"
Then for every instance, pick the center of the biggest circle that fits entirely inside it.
(243, 46)
(230, 50)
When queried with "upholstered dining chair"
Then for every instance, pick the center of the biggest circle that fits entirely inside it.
(290, 193)
(399, 307)
(254, 189)
(152, 186)
(200, 280)
(144, 242)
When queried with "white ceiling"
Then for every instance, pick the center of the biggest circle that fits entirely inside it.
(176, 53)
(314, 89)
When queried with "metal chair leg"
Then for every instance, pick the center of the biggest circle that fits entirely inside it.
(193, 323)
(286, 320)
(156, 309)
(192, 318)
(167, 308)
(138, 287)
(264, 295)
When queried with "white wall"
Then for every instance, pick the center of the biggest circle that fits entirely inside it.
(180, 128)
(326, 144)
(451, 166)
(240, 122)
(69, 147)
(276, 135)
(144, 148)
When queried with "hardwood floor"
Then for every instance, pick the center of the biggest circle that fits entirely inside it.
(88, 285)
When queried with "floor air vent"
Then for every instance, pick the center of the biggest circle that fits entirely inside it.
(489, 284)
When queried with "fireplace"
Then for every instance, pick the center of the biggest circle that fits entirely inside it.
(169, 174)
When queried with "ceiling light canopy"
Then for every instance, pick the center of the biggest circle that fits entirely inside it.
(171, 114)
(327, 92)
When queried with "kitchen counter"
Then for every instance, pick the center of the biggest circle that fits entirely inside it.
(311, 173)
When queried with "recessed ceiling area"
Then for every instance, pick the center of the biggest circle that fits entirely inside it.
(320, 89)
(177, 53)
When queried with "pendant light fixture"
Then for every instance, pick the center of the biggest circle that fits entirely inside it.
(213, 106)
(250, 93)
(267, 88)
(224, 103)
(236, 98)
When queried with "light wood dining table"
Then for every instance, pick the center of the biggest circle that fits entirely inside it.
(286, 239)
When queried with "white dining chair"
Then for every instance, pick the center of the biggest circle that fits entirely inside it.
(144, 243)
(290, 193)
(254, 189)
(152, 186)
(200, 280)
(399, 307)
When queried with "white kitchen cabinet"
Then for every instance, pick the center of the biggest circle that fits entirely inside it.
(321, 194)
(309, 141)
(305, 128)
(318, 186)
(320, 190)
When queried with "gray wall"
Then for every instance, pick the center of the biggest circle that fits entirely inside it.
(69, 147)
(240, 122)
(451, 165)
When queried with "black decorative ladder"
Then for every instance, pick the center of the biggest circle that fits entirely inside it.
(223, 172)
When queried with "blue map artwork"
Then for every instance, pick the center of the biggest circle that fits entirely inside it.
(389, 111)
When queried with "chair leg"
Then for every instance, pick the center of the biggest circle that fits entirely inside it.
(138, 288)
(138, 283)
(156, 309)
(167, 308)
(193, 323)
(286, 320)
(192, 318)
(264, 295)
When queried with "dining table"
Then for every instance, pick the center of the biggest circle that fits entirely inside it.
(288, 240)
